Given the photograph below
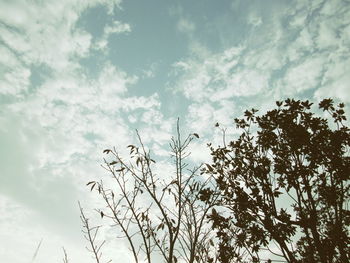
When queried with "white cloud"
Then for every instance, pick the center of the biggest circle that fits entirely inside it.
(332, 8)
(116, 27)
(130, 104)
(53, 123)
(112, 81)
(200, 152)
(48, 38)
(338, 88)
(327, 36)
(202, 118)
(200, 115)
(276, 62)
(14, 81)
(336, 80)
(55, 156)
(45, 32)
(156, 129)
(303, 76)
(297, 49)
(219, 77)
(303, 45)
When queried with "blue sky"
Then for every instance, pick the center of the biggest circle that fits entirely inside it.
(78, 76)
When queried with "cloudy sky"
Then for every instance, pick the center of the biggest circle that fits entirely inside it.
(78, 76)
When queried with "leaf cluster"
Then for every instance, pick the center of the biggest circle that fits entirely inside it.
(284, 183)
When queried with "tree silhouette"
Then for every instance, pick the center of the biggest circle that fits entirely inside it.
(159, 215)
(283, 184)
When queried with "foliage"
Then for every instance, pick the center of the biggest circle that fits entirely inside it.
(284, 183)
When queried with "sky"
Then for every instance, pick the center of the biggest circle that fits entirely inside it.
(79, 76)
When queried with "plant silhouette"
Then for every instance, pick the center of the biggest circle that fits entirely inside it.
(283, 184)
(159, 215)
(278, 193)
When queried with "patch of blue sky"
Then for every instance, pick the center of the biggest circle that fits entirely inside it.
(93, 20)
(38, 75)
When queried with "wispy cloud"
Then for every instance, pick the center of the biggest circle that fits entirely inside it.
(54, 131)
(307, 53)
(54, 124)
(116, 27)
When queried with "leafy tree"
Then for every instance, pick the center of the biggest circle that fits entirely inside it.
(160, 215)
(284, 183)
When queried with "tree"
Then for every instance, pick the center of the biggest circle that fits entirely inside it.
(283, 183)
(160, 215)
